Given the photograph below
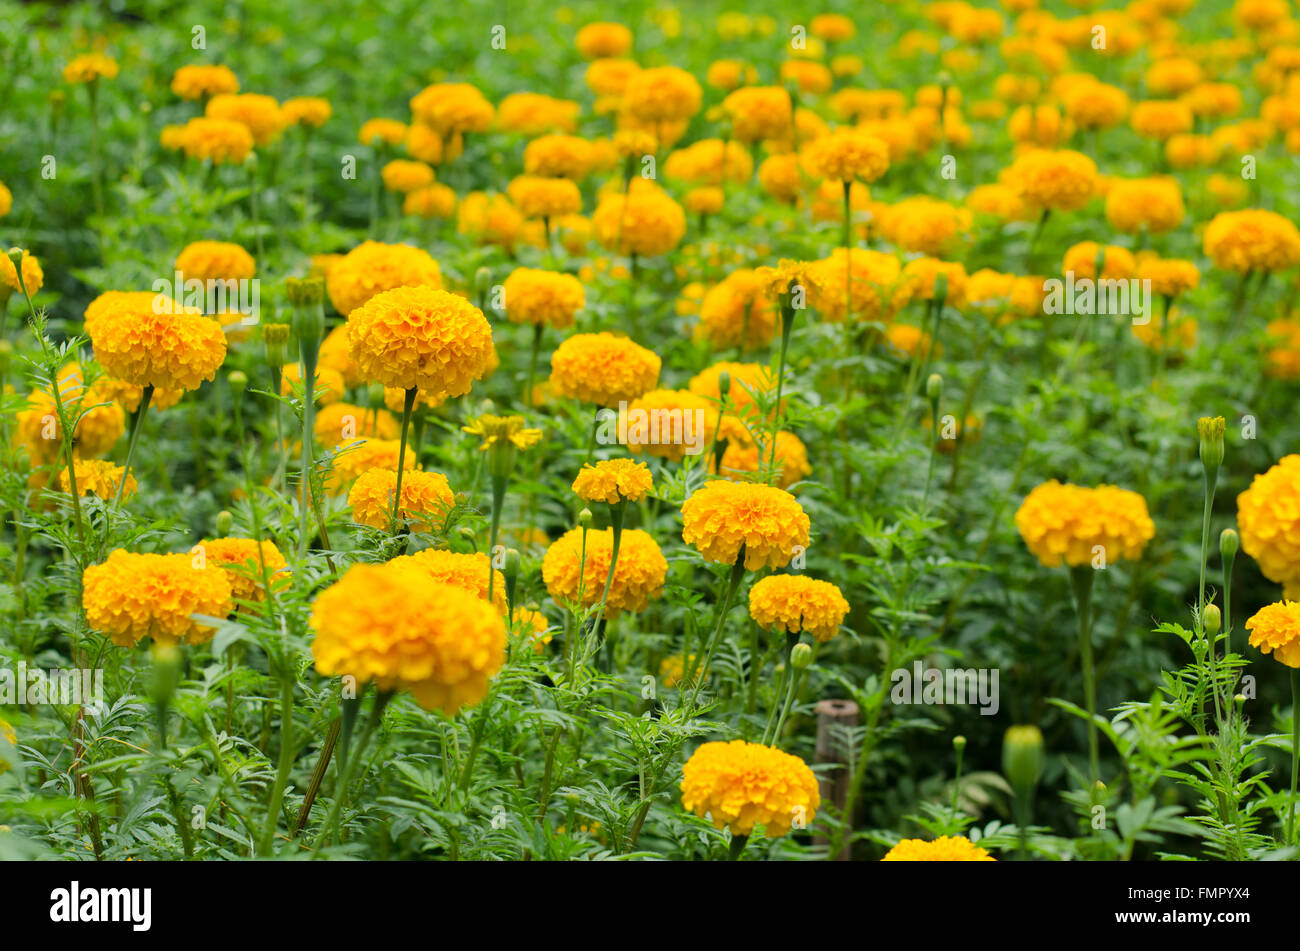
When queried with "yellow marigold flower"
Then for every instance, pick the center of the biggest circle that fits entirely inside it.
(956, 848)
(423, 144)
(925, 226)
(741, 785)
(99, 478)
(403, 175)
(1161, 119)
(539, 197)
(373, 267)
(1268, 517)
(922, 274)
(847, 155)
(737, 313)
(391, 625)
(1177, 334)
(129, 395)
(665, 423)
(1169, 277)
(432, 201)
(613, 481)
(1173, 76)
(638, 575)
(200, 81)
(1275, 629)
(710, 162)
(1214, 100)
(558, 156)
(535, 296)
(215, 261)
(1061, 180)
(1041, 126)
(130, 597)
(602, 368)
(337, 423)
(386, 131)
(453, 107)
(797, 603)
(160, 346)
(33, 276)
(781, 178)
(259, 114)
(609, 76)
(426, 499)
(759, 112)
(646, 221)
(876, 287)
(358, 457)
(89, 67)
(1068, 522)
(1252, 240)
(336, 354)
(1118, 263)
(219, 141)
(574, 232)
(310, 112)
(728, 74)
(421, 337)
(908, 340)
(534, 113)
(1282, 361)
(466, 571)
(1000, 201)
(721, 517)
(395, 399)
(6, 202)
(663, 94)
(813, 79)
(832, 27)
(502, 430)
(601, 40)
(533, 625)
(489, 220)
(243, 560)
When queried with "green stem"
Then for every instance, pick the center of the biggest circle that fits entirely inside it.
(1081, 578)
(282, 769)
(407, 406)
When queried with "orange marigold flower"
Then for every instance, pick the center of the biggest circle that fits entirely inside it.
(847, 155)
(338, 422)
(160, 344)
(598, 40)
(1153, 205)
(198, 81)
(720, 518)
(132, 596)
(558, 156)
(1070, 522)
(667, 423)
(663, 94)
(943, 849)
(602, 368)
(1061, 180)
(535, 296)
(355, 458)
(646, 221)
(310, 112)
(638, 575)
(260, 114)
(741, 785)
(737, 313)
(539, 197)
(453, 107)
(384, 131)
(613, 481)
(1268, 517)
(373, 267)
(797, 603)
(467, 571)
(426, 499)
(248, 564)
(1252, 240)
(98, 477)
(1275, 629)
(89, 67)
(215, 261)
(219, 141)
(404, 175)
(33, 276)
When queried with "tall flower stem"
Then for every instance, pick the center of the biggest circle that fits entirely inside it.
(617, 512)
(697, 671)
(309, 357)
(1081, 577)
(532, 364)
(408, 404)
(284, 766)
(137, 423)
(96, 170)
(787, 325)
(350, 763)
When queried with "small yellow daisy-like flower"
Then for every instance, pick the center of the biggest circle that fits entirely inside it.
(1252, 240)
(1075, 524)
(404, 175)
(197, 81)
(502, 430)
(391, 625)
(421, 337)
(373, 267)
(98, 477)
(467, 571)
(797, 603)
(638, 575)
(219, 141)
(847, 155)
(741, 785)
(310, 112)
(1275, 629)
(955, 848)
(89, 67)
(1268, 517)
(535, 296)
(132, 596)
(613, 481)
(720, 518)
(602, 368)
(260, 114)
(243, 560)
(215, 261)
(426, 499)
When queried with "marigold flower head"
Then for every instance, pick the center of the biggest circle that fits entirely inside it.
(389, 624)
(741, 785)
(759, 112)
(1061, 180)
(1161, 119)
(665, 423)
(663, 94)
(6, 202)
(466, 571)
(638, 575)
(613, 481)
(721, 517)
(33, 276)
(737, 312)
(558, 156)
(796, 603)
(199, 81)
(943, 849)
(453, 107)
(426, 499)
(421, 337)
(260, 114)
(1068, 522)
(219, 141)
(539, 197)
(534, 113)
(373, 267)
(1154, 205)
(847, 155)
(602, 368)
(158, 344)
(490, 219)
(133, 596)
(600, 40)
(780, 177)
(432, 201)
(1096, 105)
(925, 226)
(405, 175)
(710, 162)
(101, 424)
(1041, 126)
(608, 76)
(384, 131)
(98, 477)
(310, 112)
(1275, 629)
(1268, 517)
(1118, 264)
(1252, 240)
(89, 67)
(811, 78)
(243, 560)
(215, 261)
(646, 221)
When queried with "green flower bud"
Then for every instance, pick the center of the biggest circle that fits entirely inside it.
(1210, 430)
(801, 656)
(238, 381)
(225, 522)
(724, 384)
(1022, 757)
(166, 672)
(1212, 619)
(584, 518)
(482, 281)
(959, 743)
(934, 387)
(1229, 542)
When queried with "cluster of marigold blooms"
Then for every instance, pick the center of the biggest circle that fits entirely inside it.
(814, 141)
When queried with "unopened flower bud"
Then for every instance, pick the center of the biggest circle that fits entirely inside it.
(1210, 430)
(584, 518)
(1229, 542)
(238, 381)
(959, 743)
(225, 522)
(482, 281)
(1022, 756)
(800, 656)
(1212, 619)
(724, 384)
(934, 387)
